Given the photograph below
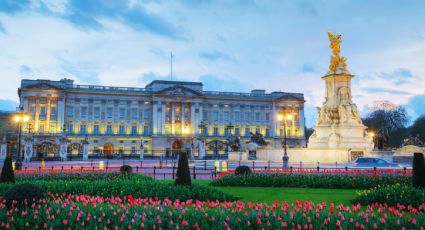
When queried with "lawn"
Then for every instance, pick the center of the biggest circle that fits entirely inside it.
(270, 194)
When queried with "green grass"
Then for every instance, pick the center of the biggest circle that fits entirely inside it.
(270, 194)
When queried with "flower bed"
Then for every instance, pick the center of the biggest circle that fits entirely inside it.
(120, 185)
(83, 211)
(357, 181)
(393, 195)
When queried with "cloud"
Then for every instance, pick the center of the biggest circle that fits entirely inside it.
(385, 90)
(307, 68)
(215, 56)
(399, 76)
(26, 71)
(8, 105)
(215, 83)
(85, 71)
(13, 6)
(2, 29)
(415, 106)
(87, 15)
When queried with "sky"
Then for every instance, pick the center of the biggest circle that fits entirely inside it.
(235, 46)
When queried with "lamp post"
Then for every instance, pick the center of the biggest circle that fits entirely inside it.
(20, 118)
(283, 118)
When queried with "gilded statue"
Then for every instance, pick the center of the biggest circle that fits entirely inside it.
(336, 60)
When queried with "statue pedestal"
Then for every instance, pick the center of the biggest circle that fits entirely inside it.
(340, 136)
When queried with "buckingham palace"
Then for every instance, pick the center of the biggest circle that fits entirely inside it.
(164, 116)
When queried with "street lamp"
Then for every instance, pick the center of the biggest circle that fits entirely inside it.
(20, 118)
(283, 118)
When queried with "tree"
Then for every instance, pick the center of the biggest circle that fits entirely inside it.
(183, 172)
(418, 170)
(418, 127)
(386, 119)
(7, 174)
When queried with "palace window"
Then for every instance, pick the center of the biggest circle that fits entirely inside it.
(237, 116)
(267, 132)
(109, 129)
(70, 112)
(96, 130)
(96, 113)
(133, 150)
(247, 132)
(226, 115)
(70, 129)
(83, 129)
(257, 117)
(267, 117)
(42, 115)
(109, 113)
(146, 130)
(215, 133)
(83, 112)
(226, 132)
(247, 117)
(134, 114)
(41, 128)
(53, 113)
(122, 130)
(237, 132)
(122, 113)
(215, 116)
(133, 130)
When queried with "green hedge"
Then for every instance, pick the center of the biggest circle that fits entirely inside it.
(122, 185)
(343, 181)
(392, 195)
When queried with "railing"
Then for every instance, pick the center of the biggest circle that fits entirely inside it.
(167, 169)
(109, 88)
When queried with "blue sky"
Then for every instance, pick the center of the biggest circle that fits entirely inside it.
(228, 45)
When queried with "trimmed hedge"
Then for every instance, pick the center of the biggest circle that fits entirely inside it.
(125, 185)
(345, 181)
(23, 195)
(242, 170)
(392, 195)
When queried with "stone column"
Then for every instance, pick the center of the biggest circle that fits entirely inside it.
(155, 118)
(3, 149)
(173, 128)
(86, 150)
(182, 108)
(163, 120)
(47, 123)
(61, 113)
(37, 114)
(193, 120)
(302, 120)
(28, 149)
(63, 149)
(275, 121)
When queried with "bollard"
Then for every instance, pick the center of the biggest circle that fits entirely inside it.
(318, 168)
(405, 169)
(52, 168)
(25, 168)
(154, 171)
(72, 167)
(82, 168)
(301, 164)
(268, 165)
(205, 164)
(141, 165)
(164, 176)
(137, 169)
(374, 169)
(194, 172)
(239, 163)
(346, 169)
(174, 174)
(215, 172)
(290, 169)
(253, 165)
(265, 168)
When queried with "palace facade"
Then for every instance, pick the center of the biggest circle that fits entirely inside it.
(162, 117)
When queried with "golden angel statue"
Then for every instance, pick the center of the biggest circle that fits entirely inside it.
(336, 60)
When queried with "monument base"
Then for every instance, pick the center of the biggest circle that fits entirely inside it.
(321, 155)
(340, 136)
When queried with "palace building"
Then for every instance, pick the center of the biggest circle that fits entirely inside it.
(162, 117)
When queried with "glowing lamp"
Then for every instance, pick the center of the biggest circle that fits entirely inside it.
(101, 165)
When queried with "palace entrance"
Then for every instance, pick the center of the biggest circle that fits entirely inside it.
(177, 147)
(108, 149)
